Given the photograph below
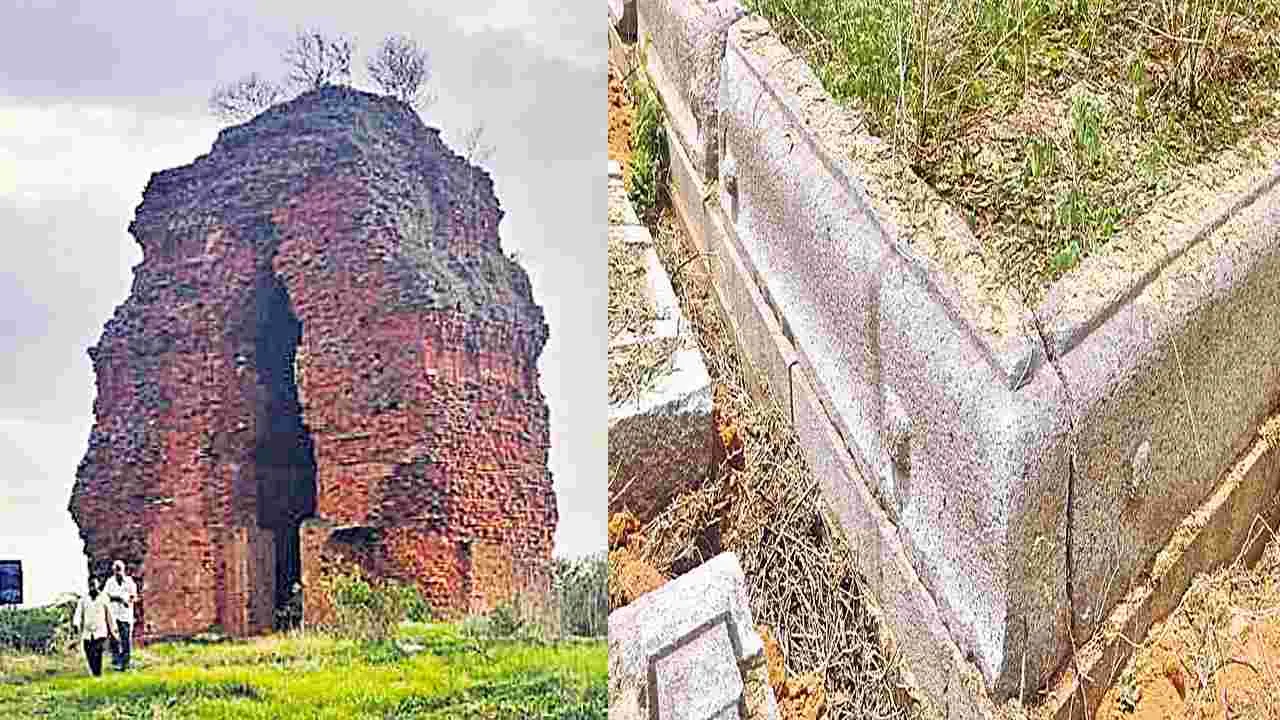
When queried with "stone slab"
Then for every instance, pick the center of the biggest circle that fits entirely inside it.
(699, 677)
(682, 43)
(988, 463)
(916, 401)
(663, 441)
(620, 51)
(662, 451)
(692, 638)
(621, 211)
(749, 313)
(1209, 296)
(910, 614)
(669, 320)
(1235, 522)
(622, 19)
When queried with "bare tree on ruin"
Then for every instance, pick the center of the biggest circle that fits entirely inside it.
(476, 152)
(474, 148)
(316, 60)
(401, 68)
(244, 98)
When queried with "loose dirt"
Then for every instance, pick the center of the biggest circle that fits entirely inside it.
(629, 575)
(1217, 656)
(619, 120)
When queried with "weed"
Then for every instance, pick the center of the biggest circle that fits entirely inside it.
(649, 151)
(1126, 93)
(1086, 135)
(368, 610)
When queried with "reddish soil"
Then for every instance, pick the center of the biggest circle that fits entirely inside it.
(1217, 656)
(799, 698)
(619, 119)
(1246, 683)
(629, 575)
(773, 657)
(729, 452)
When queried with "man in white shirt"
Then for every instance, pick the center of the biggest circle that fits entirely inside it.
(121, 594)
(93, 620)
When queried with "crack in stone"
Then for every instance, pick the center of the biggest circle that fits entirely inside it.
(1071, 477)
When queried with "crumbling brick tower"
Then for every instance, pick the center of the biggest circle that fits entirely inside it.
(325, 356)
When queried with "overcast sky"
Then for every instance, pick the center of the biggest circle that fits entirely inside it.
(96, 96)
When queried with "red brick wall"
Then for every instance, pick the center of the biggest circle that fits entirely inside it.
(169, 472)
(423, 403)
(425, 422)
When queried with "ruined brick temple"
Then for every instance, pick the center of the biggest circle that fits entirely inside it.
(325, 357)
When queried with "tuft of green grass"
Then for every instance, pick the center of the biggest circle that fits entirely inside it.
(650, 160)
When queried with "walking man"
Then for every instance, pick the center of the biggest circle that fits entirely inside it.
(121, 593)
(93, 620)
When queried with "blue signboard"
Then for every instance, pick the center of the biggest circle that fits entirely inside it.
(10, 582)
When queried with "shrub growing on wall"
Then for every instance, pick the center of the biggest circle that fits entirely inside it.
(649, 151)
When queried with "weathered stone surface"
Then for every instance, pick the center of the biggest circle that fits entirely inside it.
(683, 650)
(324, 328)
(699, 678)
(662, 441)
(622, 15)
(684, 42)
(664, 448)
(943, 397)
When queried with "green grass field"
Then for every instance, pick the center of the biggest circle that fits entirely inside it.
(443, 674)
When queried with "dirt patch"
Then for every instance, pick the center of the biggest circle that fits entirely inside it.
(773, 657)
(619, 120)
(1216, 656)
(801, 698)
(629, 575)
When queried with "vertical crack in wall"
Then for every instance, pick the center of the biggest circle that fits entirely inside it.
(1052, 357)
(284, 451)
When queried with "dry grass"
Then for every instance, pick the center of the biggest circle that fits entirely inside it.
(635, 368)
(1050, 124)
(800, 574)
(631, 309)
(1217, 655)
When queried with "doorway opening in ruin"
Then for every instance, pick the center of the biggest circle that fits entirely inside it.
(285, 453)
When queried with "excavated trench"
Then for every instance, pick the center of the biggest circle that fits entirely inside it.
(284, 453)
